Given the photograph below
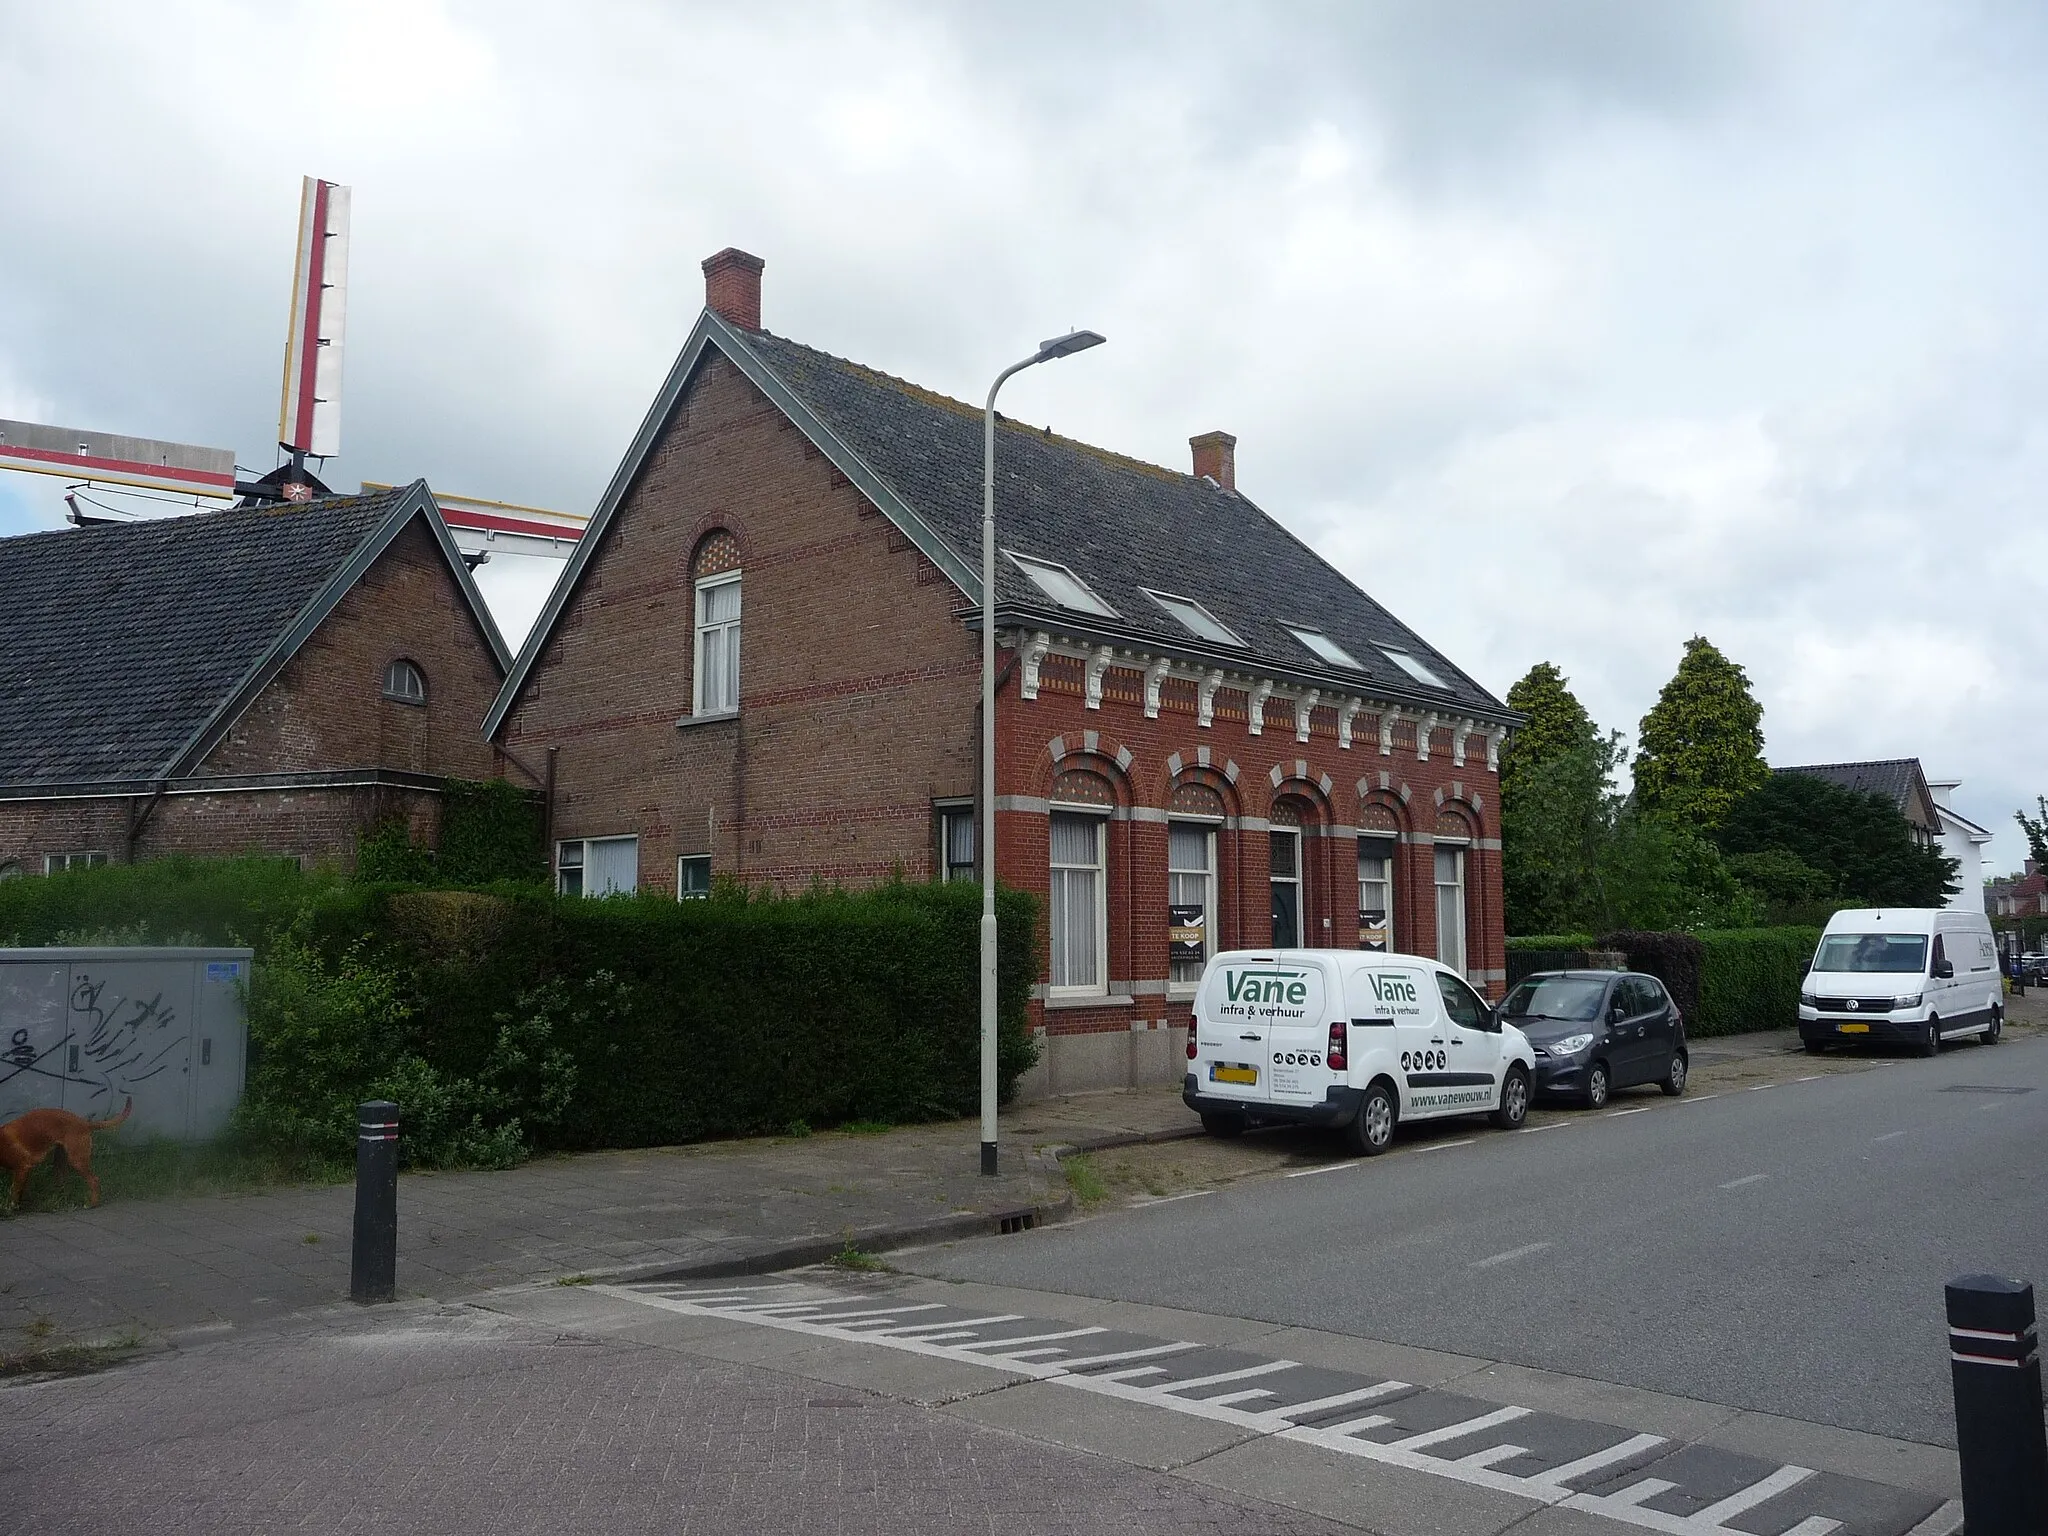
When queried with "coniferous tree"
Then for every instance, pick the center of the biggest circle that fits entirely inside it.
(1700, 748)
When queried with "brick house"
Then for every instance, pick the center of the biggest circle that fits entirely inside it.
(1207, 737)
(266, 679)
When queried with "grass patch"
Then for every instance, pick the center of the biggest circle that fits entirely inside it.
(797, 1128)
(1084, 1181)
(70, 1359)
(577, 1280)
(853, 1257)
(167, 1170)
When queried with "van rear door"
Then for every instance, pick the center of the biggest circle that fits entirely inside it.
(1259, 1014)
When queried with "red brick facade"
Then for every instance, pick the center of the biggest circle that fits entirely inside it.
(324, 717)
(858, 697)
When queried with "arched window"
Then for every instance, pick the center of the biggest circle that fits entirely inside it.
(405, 683)
(1379, 837)
(716, 571)
(1289, 926)
(10, 869)
(1078, 905)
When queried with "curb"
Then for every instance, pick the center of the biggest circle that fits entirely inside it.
(801, 1252)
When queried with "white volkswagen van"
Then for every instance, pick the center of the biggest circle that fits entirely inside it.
(1912, 975)
(1353, 1040)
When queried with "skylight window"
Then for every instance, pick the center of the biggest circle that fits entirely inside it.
(1062, 585)
(1413, 668)
(1197, 620)
(1328, 649)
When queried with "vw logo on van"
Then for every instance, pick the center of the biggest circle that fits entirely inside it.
(1854, 1005)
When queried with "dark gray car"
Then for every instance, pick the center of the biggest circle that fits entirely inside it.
(1595, 1031)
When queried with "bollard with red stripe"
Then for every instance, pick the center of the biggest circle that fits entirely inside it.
(373, 1270)
(1995, 1360)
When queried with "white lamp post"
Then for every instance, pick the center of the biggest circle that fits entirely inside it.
(985, 829)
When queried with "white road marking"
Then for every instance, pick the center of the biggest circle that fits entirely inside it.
(1459, 1430)
(1302, 1173)
(1888, 1135)
(1752, 1178)
(1266, 1369)
(1599, 1459)
(1813, 1079)
(942, 1330)
(1169, 1199)
(1508, 1257)
(1493, 1455)
(1642, 1109)
(1410, 1452)
(1343, 1399)
(1699, 1098)
(1531, 1130)
(1132, 1354)
(1032, 1338)
(1945, 1521)
(1760, 1087)
(1241, 1397)
(1445, 1146)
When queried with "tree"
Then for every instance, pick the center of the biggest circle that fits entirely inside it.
(1859, 842)
(1555, 790)
(1656, 875)
(2037, 833)
(1557, 724)
(1700, 748)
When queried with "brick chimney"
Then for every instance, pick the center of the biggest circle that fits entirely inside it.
(1216, 457)
(732, 287)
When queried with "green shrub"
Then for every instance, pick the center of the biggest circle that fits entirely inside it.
(490, 832)
(1751, 978)
(386, 852)
(211, 901)
(1676, 959)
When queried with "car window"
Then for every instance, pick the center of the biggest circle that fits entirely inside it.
(1653, 993)
(1461, 1002)
(1622, 1000)
(1555, 997)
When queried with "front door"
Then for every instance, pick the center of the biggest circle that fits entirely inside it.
(1470, 1077)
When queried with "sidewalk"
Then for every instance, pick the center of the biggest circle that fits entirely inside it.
(165, 1267)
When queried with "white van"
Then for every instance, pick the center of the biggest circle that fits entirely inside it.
(1348, 1039)
(1917, 975)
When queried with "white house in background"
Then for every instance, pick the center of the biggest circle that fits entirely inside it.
(1924, 802)
(1964, 841)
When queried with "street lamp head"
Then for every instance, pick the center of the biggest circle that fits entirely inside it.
(1068, 345)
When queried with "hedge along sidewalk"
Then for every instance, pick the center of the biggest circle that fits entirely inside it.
(164, 1267)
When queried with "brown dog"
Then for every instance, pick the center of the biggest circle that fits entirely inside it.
(29, 1139)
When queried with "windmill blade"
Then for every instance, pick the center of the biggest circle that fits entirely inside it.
(108, 458)
(309, 416)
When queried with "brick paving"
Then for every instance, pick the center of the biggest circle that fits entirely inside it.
(445, 1419)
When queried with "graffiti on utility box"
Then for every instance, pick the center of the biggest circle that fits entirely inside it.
(85, 1030)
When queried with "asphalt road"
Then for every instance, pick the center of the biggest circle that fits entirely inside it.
(1781, 1250)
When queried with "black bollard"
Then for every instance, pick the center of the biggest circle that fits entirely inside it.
(1995, 1360)
(373, 1271)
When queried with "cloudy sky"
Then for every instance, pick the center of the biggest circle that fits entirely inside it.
(1569, 328)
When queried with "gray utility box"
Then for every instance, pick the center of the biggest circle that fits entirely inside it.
(88, 1029)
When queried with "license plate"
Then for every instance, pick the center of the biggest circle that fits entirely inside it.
(1218, 1073)
(1853, 1029)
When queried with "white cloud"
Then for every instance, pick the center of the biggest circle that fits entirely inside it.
(1570, 329)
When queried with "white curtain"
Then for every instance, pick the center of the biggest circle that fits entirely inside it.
(1450, 908)
(718, 648)
(1076, 902)
(611, 864)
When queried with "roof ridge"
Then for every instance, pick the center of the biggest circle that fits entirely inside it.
(1863, 762)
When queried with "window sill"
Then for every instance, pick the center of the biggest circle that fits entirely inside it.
(1089, 1000)
(718, 719)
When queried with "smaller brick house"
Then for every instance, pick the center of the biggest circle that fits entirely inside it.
(1207, 737)
(267, 679)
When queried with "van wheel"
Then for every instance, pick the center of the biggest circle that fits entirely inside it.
(1372, 1130)
(1995, 1028)
(1931, 1046)
(1595, 1096)
(1674, 1075)
(1514, 1100)
(1223, 1125)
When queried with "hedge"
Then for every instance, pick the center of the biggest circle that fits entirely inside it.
(674, 1020)
(1725, 982)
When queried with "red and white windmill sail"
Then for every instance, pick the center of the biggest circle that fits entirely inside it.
(309, 419)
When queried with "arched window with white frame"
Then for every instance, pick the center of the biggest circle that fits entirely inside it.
(715, 689)
(405, 683)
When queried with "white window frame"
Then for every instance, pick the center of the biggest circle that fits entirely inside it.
(1207, 825)
(706, 584)
(1457, 847)
(1099, 987)
(57, 863)
(1388, 861)
(392, 669)
(1030, 565)
(1300, 886)
(1224, 635)
(1325, 650)
(693, 858)
(582, 862)
(950, 811)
